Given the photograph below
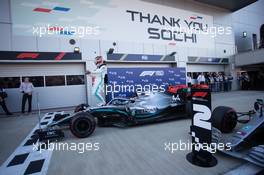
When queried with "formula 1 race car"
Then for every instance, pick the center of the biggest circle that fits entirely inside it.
(146, 108)
(247, 141)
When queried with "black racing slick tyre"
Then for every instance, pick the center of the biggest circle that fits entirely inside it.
(82, 125)
(81, 107)
(224, 118)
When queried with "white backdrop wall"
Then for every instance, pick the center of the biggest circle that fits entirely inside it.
(133, 41)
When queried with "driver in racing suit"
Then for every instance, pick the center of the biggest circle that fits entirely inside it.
(99, 76)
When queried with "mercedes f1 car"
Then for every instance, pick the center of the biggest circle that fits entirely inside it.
(246, 140)
(146, 108)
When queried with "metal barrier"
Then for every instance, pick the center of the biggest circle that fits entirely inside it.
(220, 86)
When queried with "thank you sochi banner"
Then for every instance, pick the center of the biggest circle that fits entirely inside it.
(113, 20)
(127, 82)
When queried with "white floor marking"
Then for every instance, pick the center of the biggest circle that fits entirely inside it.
(33, 155)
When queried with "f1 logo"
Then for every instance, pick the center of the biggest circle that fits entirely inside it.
(28, 55)
(152, 73)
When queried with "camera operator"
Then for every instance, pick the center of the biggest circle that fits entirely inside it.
(3, 95)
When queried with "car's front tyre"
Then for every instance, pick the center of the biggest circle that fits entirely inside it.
(82, 125)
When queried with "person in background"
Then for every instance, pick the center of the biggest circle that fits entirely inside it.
(246, 81)
(225, 78)
(216, 78)
(243, 81)
(211, 82)
(207, 81)
(239, 80)
(230, 80)
(201, 78)
(221, 81)
(189, 80)
(26, 88)
(3, 95)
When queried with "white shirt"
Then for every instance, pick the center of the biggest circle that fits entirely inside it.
(26, 87)
(189, 79)
(200, 79)
(221, 78)
(211, 80)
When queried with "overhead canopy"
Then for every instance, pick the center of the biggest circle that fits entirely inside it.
(232, 5)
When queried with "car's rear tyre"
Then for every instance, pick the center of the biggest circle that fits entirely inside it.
(82, 125)
(81, 107)
(224, 118)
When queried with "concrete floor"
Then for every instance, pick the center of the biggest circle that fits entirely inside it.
(134, 150)
(13, 131)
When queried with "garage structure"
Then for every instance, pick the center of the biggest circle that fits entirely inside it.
(136, 36)
(205, 68)
(121, 60)
(132, 38)
(139, 64)
(57, 84)
(253, 66)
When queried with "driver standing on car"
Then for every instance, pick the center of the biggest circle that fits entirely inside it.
(99, 78)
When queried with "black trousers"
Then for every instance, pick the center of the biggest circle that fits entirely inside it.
(2, 103)
(26, 98)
